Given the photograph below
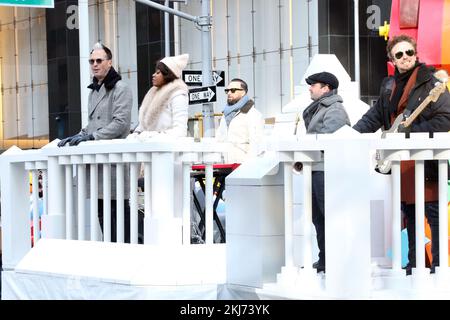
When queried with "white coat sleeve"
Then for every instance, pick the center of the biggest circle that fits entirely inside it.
(221, 132)
(256, 132)
(179, 106)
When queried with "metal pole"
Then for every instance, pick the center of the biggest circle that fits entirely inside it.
(208, 110)
(166, 31)
(357, 72)
(169, 10)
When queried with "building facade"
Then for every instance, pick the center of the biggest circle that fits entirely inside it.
(268, 43)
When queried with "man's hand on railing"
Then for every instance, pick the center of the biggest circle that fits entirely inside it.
(76, 139)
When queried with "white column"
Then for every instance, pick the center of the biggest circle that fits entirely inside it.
(81, 173)
(442, 270)
(209, 234)
(94, 202)
(420, 216)
(134, 169)
(347, 223)
(53, 224)
(120, 219)
(35, 205)
(396, 217)
(307, 209)
(186, 203)
(69, 203)
(288, 216)
(15, 204)
(107, 202)
(162, 227)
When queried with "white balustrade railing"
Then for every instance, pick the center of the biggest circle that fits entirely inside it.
(349, 183)
(74, 175)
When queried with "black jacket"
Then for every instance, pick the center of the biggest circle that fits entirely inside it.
(434, 118)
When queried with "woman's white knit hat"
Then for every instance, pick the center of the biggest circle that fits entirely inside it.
(176, 64)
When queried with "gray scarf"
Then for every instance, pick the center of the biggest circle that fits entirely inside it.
(230, 111)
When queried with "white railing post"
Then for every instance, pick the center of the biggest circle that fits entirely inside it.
(443, 155)
(134, 172)
(187, 159)
(347, 223)
(419, 270)
(443, 217)
(396, 218)
(69, 202)
(288, 216)
(81, 207)
(187, 203)
(162, 227)
(106, 167)
(15, 204)
(93, 214)
(307, 211)
(120, 203)
(53, 224)
(209, 159)
(209, 221)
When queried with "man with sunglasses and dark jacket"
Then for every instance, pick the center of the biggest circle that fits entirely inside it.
(402, 93)
(241, 125)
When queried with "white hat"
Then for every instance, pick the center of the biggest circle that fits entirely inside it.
(176, 64)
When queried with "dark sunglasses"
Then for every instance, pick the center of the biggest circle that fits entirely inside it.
(399, 55)
(99, 61)
(233, 90)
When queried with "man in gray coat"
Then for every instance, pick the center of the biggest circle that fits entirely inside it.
(109, 110)
(325, 114)
(110, 102)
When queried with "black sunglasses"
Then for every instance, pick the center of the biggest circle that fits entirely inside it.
(98, 60)
(233, 90)
(399, 54)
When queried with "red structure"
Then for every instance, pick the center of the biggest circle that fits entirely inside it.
(428, 21)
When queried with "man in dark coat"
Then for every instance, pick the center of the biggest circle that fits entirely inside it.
(402, 93)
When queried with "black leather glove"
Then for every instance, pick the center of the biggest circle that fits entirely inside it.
(65, 141)
(80, 138)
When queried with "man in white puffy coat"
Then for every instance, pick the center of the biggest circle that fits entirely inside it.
(241, 125)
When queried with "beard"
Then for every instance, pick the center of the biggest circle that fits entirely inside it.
(231, 101)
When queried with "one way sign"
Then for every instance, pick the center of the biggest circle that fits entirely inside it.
(195, 77)
(202, 95)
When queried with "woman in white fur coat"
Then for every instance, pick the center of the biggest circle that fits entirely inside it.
(164, 109)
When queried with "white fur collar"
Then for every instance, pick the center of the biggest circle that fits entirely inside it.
(156, 100)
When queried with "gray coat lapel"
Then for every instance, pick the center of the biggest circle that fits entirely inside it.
(97, 98)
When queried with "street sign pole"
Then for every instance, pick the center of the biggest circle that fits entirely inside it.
(207, 109)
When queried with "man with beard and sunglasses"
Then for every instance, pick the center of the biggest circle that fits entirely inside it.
(402, 93)
(241, 124)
